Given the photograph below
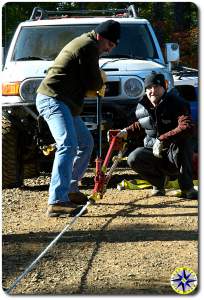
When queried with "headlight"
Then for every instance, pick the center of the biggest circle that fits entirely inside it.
(133, 87)
(28, 89)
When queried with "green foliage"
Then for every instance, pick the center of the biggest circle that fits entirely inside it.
(188, 42)
(15, 12)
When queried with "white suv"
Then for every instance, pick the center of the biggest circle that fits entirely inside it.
(35, 45)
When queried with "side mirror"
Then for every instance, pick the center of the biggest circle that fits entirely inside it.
(172, 52)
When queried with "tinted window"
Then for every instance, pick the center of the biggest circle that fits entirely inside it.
(135, 41)
(45, 42)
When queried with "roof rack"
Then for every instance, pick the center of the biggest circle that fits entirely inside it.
(39, 13)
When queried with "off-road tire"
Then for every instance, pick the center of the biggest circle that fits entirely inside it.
(31, 170)
(12, 167)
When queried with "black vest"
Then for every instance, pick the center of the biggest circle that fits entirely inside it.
(160, 119)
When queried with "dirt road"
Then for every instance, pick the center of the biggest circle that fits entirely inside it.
(129, 243)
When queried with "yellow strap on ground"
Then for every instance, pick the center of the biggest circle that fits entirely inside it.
(175, 185)
(136, 184)
(143, 184)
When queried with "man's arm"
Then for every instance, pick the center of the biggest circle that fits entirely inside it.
(131, 131)
(90, 71)
(134, 129)
(185, 128)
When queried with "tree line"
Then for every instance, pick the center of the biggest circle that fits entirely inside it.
(172, 21)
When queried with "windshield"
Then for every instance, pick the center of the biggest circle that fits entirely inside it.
(45, 42)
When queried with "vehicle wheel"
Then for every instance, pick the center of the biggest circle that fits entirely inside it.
(12, 167)
(31, 170)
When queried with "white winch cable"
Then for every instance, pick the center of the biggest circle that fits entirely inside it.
(31, 266)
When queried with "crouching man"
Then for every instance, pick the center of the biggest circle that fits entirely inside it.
(168, 127)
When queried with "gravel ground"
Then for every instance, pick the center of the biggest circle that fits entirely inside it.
(129, 243)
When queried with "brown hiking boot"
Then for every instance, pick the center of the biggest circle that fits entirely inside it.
(78, 198)
(55, 210)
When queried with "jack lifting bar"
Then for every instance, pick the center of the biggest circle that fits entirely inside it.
(102, 177)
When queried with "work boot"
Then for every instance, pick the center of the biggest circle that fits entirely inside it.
(78, 198)
(190, 194)
(157, 192)
(55, 210)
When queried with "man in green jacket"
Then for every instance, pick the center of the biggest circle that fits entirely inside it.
(60, 101)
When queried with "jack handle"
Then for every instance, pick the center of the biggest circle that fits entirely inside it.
(101, 179)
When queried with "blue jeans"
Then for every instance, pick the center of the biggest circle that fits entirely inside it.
(74, 147)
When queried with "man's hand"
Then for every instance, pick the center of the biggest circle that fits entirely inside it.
(157, 148)
(103, 76)
(102, 90)
(122, 134)
(93, 94)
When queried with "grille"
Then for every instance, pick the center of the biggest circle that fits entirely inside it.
(29, 87)
(112, 89)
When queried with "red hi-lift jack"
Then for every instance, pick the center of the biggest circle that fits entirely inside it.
(102, 178)
(103, 175)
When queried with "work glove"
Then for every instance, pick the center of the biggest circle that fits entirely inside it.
(93, 94)
(102, 90)
(157, 148)
(122, 134)
(103, 75)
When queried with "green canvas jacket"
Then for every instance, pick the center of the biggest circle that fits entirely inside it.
(74, 72)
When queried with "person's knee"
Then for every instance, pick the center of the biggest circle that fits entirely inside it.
(130, 160)
(134, 158)
(88, 144)
(67, 149)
